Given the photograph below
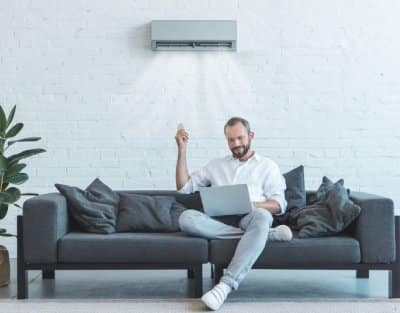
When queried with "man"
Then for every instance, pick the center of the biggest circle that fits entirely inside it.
(267, 192)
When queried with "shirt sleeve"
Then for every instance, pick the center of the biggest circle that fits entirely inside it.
(197, 179)
(275, 186)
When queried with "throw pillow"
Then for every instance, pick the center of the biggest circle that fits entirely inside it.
(323, 190)
(145, 213)
(332, 212)
(295, 192)
(95, 208)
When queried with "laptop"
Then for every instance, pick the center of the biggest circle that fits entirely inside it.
(226, 200)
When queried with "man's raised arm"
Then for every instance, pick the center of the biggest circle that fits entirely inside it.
(182, 173)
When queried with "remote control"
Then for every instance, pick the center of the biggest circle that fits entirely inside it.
(180, 126)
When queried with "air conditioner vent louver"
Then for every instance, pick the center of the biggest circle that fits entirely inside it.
(189, 35)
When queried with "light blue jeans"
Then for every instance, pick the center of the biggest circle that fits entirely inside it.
(253, 230)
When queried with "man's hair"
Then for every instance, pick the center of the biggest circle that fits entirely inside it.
(234, 120)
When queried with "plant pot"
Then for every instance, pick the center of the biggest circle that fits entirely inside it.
(4, 266)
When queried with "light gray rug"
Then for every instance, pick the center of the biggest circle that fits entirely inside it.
(194, 305)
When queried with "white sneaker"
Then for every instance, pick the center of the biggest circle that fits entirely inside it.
(280, 233)
(216, 296)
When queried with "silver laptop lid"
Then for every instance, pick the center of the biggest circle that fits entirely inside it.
(226, 200)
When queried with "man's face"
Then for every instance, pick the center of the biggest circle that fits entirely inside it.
(239, 140)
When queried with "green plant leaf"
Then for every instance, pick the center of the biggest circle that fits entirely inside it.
(3, 210)
(8, 235)
(16, 179)
(14, 169)
(3, 164)
(14, 130)
(2, 142)
(24, 154)
(3, 230)
(11, 115)
(11, 142)
(9, 196)
(3, 122)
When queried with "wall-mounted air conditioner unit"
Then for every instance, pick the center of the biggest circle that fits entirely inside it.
(193, 35)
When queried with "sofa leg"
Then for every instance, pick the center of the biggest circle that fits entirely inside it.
(48, 274)
(198, 280)
(362, 273)
(394, 283)
(394, 274)
(22, 273)
(218, 272)
(190, 273)
(22, 278)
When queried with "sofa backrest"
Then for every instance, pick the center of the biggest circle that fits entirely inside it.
(191, 201)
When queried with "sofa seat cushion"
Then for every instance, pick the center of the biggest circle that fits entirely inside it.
(81, 247)
(298, 251)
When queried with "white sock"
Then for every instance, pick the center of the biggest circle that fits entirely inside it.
(216, 296)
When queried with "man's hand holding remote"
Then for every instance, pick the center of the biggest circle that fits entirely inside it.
(182, 138)
(182, 174)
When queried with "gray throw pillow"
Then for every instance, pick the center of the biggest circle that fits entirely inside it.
(326, 186)
(95, 208)
(332, 212)
(144, 213)
(295, 193)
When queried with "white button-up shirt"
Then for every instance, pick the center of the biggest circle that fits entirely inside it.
(261, 174)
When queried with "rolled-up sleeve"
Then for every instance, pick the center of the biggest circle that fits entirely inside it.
(275, 186)
(197, 180)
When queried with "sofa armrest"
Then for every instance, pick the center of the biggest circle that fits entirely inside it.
(374, 228)
(45, 220)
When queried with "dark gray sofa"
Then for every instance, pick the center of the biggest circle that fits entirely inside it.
(49, 240)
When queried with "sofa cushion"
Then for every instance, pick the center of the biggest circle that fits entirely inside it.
(145, 213)
(324, 189)
(295, 192)
(310, 251)
(79, 247)
(189, 200)
(95, 208)
(331, 213)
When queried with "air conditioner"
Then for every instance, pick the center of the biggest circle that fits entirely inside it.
(193, 35)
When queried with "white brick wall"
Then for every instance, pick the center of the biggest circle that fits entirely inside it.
(318, 81)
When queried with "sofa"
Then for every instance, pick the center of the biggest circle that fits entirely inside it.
(50, 240)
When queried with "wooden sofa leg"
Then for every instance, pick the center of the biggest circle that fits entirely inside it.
(48, 274)
(394, 274)
(22, 273)
(198, 280)
(218, 272)
(362, 273)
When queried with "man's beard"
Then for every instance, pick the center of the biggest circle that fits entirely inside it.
(239, 153)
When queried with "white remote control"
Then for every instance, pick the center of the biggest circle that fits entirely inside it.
(180, 126)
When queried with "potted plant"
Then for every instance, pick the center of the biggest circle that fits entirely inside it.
(10, 174)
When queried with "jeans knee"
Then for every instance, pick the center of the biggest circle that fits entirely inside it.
(262, 217)
(186, 220)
